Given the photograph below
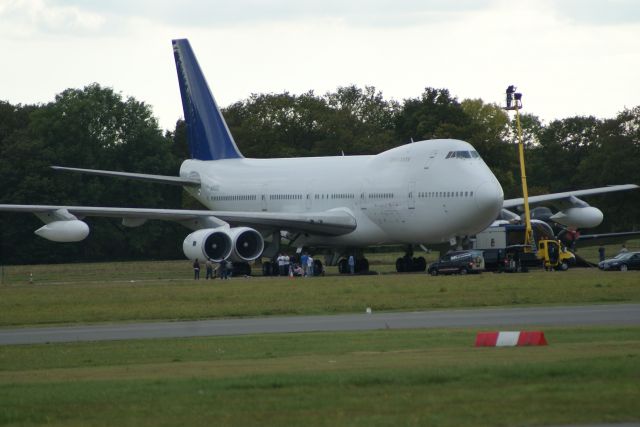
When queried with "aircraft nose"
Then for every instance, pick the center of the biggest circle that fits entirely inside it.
(489, 197)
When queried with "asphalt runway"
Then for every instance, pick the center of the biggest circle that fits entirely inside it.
(591, 315)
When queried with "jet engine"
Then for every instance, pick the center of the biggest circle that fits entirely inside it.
(240, 244)
(578, 217)
(64, 231)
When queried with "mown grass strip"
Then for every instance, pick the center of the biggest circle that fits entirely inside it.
(429, 377)
(113, 301)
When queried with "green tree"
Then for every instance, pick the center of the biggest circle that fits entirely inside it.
(488, 132)
(95, 128)
(613, 159)
(362, 121)
(436, 114)
(563, 144)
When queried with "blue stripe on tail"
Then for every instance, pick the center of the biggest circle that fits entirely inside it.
(208, 134)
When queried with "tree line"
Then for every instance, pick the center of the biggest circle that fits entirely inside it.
(97, 128)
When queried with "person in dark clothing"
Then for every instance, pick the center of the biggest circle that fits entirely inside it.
(209, 268)
(223, 270)
(510, 90)
(196, 270)
(553, 254)
(601, 253)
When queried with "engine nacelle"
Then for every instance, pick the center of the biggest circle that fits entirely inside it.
(64, 231)
(579, 217)
(212, 243)
(248, 244)
(242, 244)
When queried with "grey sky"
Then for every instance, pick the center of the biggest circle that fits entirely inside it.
(569, 57)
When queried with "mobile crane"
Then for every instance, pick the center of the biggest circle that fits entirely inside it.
(551, 252)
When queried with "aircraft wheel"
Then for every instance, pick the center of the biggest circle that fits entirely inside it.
(420, 264)
(241, 269)
(318, 268)
(362, 265)
(343, 266)
(401, 266)
(267, 268)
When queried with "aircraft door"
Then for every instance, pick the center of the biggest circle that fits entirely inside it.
(361, 197)
(411, 197)
(308, 196)
(263, 197)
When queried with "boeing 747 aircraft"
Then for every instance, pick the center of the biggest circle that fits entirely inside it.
(426, 192)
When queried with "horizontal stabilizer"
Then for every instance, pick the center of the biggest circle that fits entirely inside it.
(161, 179)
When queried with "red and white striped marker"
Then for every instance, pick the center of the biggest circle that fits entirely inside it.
(510, 339)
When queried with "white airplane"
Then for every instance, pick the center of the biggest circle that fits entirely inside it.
(426, 192)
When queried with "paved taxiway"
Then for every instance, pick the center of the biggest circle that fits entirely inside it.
(618, 314)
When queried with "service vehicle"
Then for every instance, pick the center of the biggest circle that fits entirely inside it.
(458, 262)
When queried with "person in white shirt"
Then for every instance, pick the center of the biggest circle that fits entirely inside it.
(280, 260)
(287, 265)
(309, 266)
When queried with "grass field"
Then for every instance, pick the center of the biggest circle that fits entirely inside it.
(112, 299)
(383, 262)
(411, 377)
(390, 377)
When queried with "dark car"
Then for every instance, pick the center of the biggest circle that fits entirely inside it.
(623, 262)
(458, 262)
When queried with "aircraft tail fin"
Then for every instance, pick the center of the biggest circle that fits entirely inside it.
(207, 132)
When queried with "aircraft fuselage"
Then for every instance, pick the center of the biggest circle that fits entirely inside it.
(415, 193)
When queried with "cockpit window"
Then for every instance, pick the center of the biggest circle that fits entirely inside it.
(462, 154)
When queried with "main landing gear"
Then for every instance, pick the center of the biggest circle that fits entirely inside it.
(408, 263)
(361, 266)
(241, 269)
(270, 268)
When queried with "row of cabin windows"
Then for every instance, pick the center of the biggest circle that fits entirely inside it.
(237, 197)
(462, 155)
(381, 195)
(285, 197)
(234, 197)
(334, 196)
(429, 194)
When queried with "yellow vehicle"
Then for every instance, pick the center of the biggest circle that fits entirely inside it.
(554, 255)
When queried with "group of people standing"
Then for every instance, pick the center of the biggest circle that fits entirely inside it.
(224, 270)
(287, 266)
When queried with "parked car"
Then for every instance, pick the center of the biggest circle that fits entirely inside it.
(623, 262)
(458, 262)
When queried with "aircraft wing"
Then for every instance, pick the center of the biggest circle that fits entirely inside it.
(566, 197)
(606, 238)
(332, 223)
